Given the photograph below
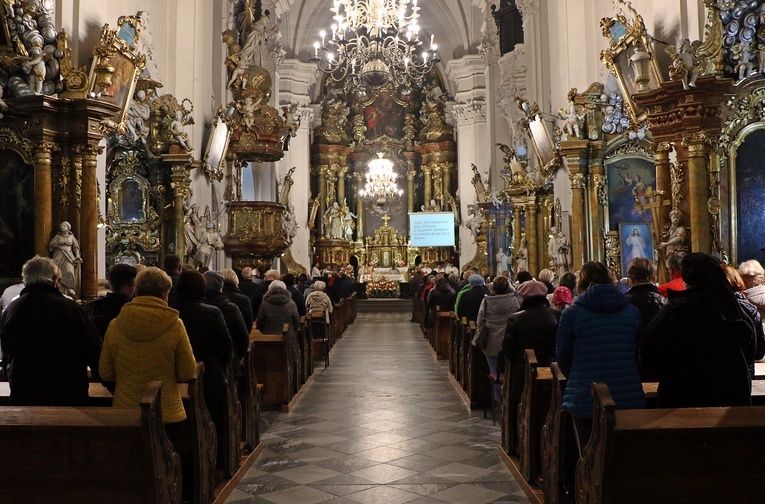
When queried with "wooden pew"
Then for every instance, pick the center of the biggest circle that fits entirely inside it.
(699, 455)
(507, 434)
(558, 450)
(318, 332)
(229, 450)
(297, 362)
(88, 455)
(421, 312)
(467, 337)
(530, 415)
(453, 344)
(249, 398)
(273, 367)
(442, 334)
(338, 322)
(477, 370)
(353, 309)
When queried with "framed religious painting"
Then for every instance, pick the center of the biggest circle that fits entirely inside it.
(630, 179)
(635, 240)
(630, 57)
(215, 153)
(114, 74)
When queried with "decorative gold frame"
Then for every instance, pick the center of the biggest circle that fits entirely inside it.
(548, 153)
(115, 191)
(214, 158)
(623, 37)
(114, 56)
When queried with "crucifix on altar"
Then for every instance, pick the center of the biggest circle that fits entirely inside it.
(653, 201)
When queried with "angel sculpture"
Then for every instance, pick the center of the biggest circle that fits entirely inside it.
(475, 222)
(572, 125)
(684, 65)
(480, 190)
(289, 118)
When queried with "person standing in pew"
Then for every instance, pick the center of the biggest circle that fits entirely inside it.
(47, 342)
(278, 309)
(597, 341)
(471, 299)
(122, 285)
(698, 347)
(753, 275)
(752, 315)
(237, 329)
(643, 293)
(210, 342)
(533, 327)
(297, 297)
(492, 319)
(147, 342)
(232, 292)
(257, 298)
(442, 295)
(317, 300)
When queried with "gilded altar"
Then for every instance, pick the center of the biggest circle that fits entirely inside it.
(386, 248)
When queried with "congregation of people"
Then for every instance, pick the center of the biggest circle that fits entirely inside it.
(152, 325)
(697, 335)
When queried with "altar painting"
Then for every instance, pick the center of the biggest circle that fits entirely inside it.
(384, 116)
(750, 188)
(628, 182)
(635, 239)
(16, 214)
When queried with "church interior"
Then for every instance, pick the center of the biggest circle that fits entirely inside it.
(310, 135)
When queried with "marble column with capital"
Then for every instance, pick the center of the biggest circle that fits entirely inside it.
(89, 223)
(438, 185)
(578, 223)
(341, 171)
(426, 183)
(43, 198)
(531, 238)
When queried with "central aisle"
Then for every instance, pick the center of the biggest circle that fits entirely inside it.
(382, 425)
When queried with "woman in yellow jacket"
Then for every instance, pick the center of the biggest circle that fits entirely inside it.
(146, 342)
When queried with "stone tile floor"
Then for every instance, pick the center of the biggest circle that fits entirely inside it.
(382, 425)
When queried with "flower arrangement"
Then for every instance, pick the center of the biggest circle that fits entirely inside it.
(383, 289)
(400, 263)
(374, 262)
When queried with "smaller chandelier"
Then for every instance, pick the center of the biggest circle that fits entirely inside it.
(380, 188)
(375, 41)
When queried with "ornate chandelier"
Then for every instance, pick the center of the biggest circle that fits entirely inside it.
(380, 188)
(375, 41)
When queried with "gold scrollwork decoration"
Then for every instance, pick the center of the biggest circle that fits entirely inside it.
(75, 79)
(11, 139)
(63, 178)
(677, 174)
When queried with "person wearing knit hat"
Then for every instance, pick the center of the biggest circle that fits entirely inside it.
(532, 288)
(214, 280)
(470, 300)
(562, 298)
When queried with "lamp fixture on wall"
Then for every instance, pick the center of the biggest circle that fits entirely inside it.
(375, 41)
(380, 188)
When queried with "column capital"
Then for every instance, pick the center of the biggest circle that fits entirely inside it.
(469, 113)
(577, 181)
(527, 7)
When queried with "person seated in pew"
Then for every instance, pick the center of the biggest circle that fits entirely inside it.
(297, 297)
(471, 299)
(240, 337)
(122, 285)
(247, 284)
(234, 295)
(643, 293)
(278, 309)
(441, 295)
(492, 319)
(753, 275)
(47, 342)
(534, 327)
(210, 342)
(147, 342)
(738, 286)
(317, 300)
(698, 347)
(597, 341)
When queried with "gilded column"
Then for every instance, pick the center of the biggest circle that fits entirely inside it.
(578, 224)
(341, 171)
(410, 190)
(43, 198)
(447, 179)
(597, 179)
(426, 183)
(322, 196)
(77, 192)
(332, 172)
(532, 237)
(89, 223)
(438, 185)
(701, 236)
(516, 226)
(663, 179)
(359, 210)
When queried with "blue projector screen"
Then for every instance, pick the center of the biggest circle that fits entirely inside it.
(431, 229)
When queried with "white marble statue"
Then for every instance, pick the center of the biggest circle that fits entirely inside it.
(522, 257)
(677, 240)
(572, 124)
(66, 254)
(559, 251)
(502, 261)
(348, 223)
(289, 223)
(34, 64)
(191, 229)
(475, 221)
(684, 64)
(333, 222)
(138, 115)
(208, 243)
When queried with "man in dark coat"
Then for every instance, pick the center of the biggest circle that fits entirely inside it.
(297, 297)
(262, 288)
(172, 266)
(240, 337)
(122, 285)
(470, 302)
(643, 293)
(246, 284)
(232, 292)
(48, 342)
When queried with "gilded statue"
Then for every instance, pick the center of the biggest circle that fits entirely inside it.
(333, 116)
(435, 129)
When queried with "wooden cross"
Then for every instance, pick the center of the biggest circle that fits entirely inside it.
(653, 205)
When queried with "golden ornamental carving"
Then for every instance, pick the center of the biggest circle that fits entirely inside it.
(435, 129)
(695, 143)
(577, 181)
(75, 80)
(166, 122)
(11, 139)
(677, 174)
(741, 111)
(63, 178)
(710, 52)
(613, 252)
(334, 114)
(713, 203)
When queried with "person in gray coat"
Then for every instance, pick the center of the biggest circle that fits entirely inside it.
(278, 309)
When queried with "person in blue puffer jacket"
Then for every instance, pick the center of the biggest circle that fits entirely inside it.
(597, 342)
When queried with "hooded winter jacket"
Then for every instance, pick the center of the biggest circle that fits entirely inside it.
(146, 342)
(597, 342)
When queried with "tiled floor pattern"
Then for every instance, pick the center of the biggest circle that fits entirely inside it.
(382, 425)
